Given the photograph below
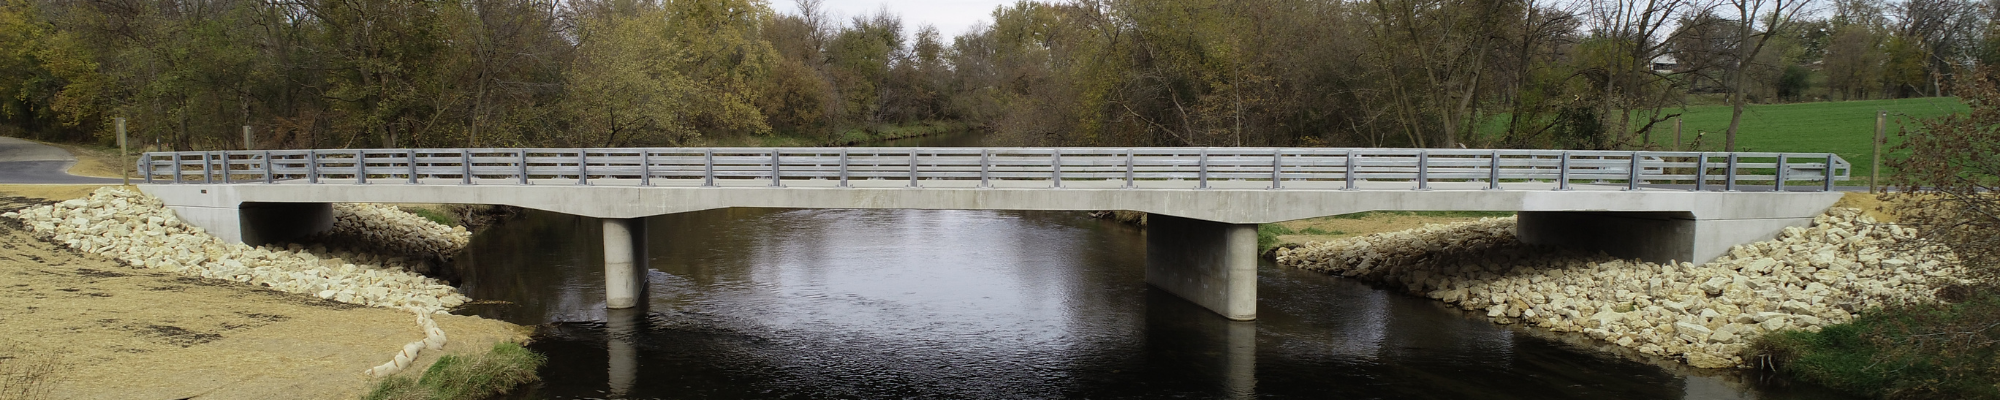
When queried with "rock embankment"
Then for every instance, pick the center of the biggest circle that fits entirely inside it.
(1705, 314)
(140, 231)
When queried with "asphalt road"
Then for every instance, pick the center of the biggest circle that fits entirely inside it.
(23, 161)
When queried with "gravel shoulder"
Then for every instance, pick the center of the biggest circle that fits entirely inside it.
(114, 331)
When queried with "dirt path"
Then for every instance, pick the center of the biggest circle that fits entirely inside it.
(113, 331)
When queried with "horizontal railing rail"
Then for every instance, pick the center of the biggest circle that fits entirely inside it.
(1198, 168)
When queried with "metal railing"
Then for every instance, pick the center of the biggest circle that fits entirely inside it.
(1197, 168)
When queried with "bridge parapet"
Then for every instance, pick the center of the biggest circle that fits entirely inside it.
(1132, 168)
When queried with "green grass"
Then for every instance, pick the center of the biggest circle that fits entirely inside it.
(1927, 351)
(1846, 128)
(434, 215)
(1267, 236)
(454, 377)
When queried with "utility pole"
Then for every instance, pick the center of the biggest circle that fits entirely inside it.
(1881, 136)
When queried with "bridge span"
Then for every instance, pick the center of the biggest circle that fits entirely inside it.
(1204, 202)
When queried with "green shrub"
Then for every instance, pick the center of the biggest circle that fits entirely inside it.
(1909, 352)
(452, 377)
(434, 215)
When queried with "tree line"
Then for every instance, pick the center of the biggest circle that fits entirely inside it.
(189, 74)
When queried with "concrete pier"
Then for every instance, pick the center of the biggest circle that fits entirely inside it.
(1212, 264)
(624, 262)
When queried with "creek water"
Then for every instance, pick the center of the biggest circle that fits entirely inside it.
(770, 303)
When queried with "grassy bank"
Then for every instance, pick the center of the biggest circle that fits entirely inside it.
(454, 377)
(1933, 351)
(1844, 127)
(847, 137)
(1302, 231)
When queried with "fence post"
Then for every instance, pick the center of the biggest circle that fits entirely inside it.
(1875, 163)
(582, 167)
(708, 168)
(1423, 170)
(1348, 161)
(523, 163)
(1780, 175)
(1729, 178)
(123, 155)
(777, 174)
(1493, 172)
(247, 143)
(1633, 182)
(412, 158)
(360, 167)
(1701, 173)
(1201, 169)
(913, 168)
(1277, 168)
(312, 166)
(985, 163)
(207, 175)
(1131, 156)
(225, 165)
(843, 167)
(465, 166)
(267, 166)
(1562, 172)
(1056, 167)
(645, 167)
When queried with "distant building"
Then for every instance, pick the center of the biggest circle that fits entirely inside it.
(1665, 63)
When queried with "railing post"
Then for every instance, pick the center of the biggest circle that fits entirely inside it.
(177, 166)
(1562, 172)
(913, 168)
(645, 167)
(1779, 177)
(843, 167)
(583, 167)
(1729, 177)
(709, 169)
(1493, 171)
(985, 166)
(777, 174)
(146, 160)
(1827, 185)
(1055, 171)
(1349, 162)
(267, 166)
(1701, 172)
(1201, 169)
(412, 158)
(1633, 182)
(1277, 169)
(207, 175)
(523, 164)
(1131, 157)
(225, 165)
(1423, 170)
(312, 166)
(360, 167)
(464, 167)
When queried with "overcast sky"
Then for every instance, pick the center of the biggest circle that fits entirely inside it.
(952, 17)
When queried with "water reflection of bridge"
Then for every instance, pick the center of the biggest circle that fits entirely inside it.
(1205, 202)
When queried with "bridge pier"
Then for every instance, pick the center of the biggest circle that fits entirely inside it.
(1212, 264)
(624, 262)
(1647, 236)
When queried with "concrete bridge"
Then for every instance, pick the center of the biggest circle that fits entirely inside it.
(1204, 202)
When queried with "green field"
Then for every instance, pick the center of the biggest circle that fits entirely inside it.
(1845, 127)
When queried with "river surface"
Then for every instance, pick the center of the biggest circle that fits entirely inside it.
(811, 304)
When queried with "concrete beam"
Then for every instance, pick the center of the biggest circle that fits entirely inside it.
(624, 262)
(1648, 236)
(1212, 264)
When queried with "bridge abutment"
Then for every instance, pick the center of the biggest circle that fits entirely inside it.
(1212, 264)
(624, 262)
(258, 224)
(1648, 236)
